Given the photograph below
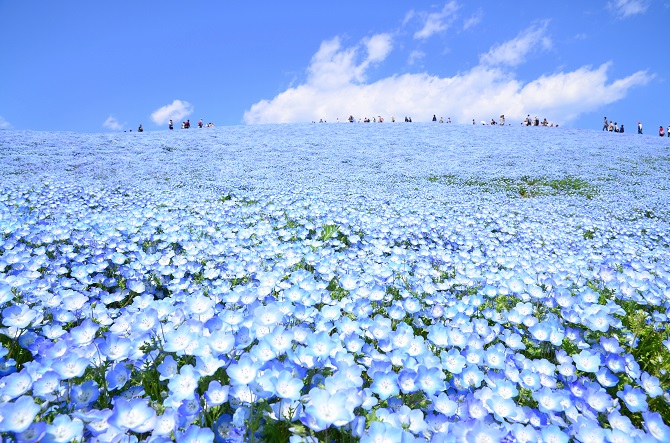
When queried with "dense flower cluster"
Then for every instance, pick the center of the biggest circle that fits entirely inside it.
(334, 282)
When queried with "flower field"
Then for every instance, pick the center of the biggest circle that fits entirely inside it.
(336, 282)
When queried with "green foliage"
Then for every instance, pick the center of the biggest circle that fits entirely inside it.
(524, 187)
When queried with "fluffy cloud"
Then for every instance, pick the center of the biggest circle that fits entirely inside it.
(4, 124)
(336, 88)
(437, 22)
(332, 66)
(112, 123)
(626, 8)
(176, 110)
(513, 52)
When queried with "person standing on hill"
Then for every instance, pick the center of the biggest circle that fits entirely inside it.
(170, 125)
(605, 125)
(639, 127)
(661, 132)
(434, 118)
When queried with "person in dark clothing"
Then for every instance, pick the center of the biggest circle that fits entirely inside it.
(140, 129)
(434, 118)
(170, 125)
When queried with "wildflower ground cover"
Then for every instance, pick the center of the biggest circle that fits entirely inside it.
(351, 282)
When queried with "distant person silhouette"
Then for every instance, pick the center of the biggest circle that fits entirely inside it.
(140, 129)
(434, 118)
(639, 127)
(170, 125)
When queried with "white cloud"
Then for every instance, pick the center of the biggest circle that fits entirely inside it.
(415, 56)
(176, 110)
(627, 8)
(332, 67)
(336, 88)
(473, 20)
(437, 22)
(513, 52)
(112, 123)
(4, 124)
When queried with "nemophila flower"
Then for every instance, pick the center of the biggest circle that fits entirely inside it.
(385, 384)
(15, 385)
(134, 415)
(19, 415)
(383, 432)
(84, 394)
(430, 380)
(287, 386)
(117, 376)
(651, 385)
(324, 410)
(494, 357)
(589, 431)
(166, 423)
(85, 333)
(196, 434)
(472, 377)
(46, 385)
(177, 340)
(168, 368)
(598, 399)
(243, 371)
(634, 398)
(654, 424)
(189, 407)
(409, 419)
(35, 433)
(587, 361)
(481, 431)
(407, 381)
(70, 366)
(18, 316)
(320, 344)
(553, 434)
(524, 434)
(63, 429)
(452, 361)
(115, 347)
(182, 386)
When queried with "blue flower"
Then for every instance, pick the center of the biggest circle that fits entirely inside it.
(382, 432)
(15, 385)
(216, 394)
(288, 387)
(324, 410)
(453, 361)
(385, 384)
(587, 361)
(554, 434)
(183, 385)
(62, 429)
(134, 415)
(18, 416)
(243, 371)
(634, 398)
(651, 385)
(34, 433)
(654, 424)
(84, 394)
(196, 434)
(18, 316)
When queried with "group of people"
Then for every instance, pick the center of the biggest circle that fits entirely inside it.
(610, 126)
(536, 122)
(187, 124)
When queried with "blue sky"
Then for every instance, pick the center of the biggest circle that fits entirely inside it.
(107, 66)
